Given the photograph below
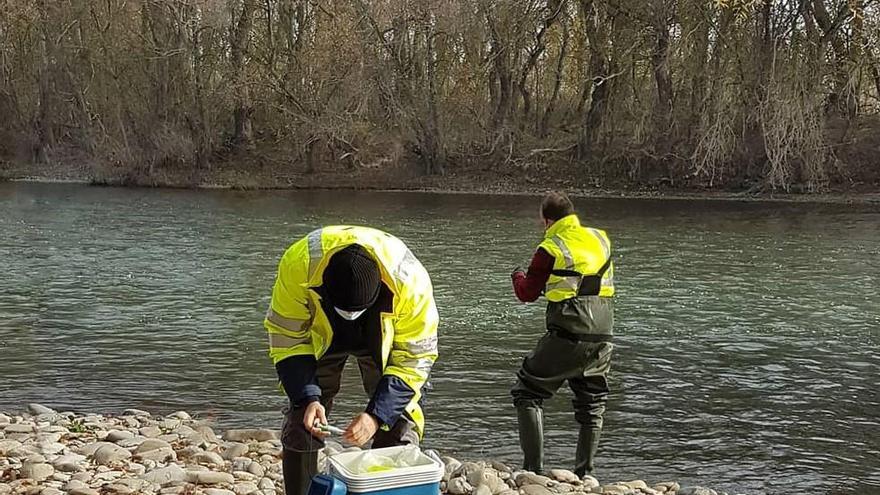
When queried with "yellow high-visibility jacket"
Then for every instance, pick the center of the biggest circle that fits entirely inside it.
(297, 324)
(578, 252)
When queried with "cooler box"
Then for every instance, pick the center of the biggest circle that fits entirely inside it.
(323, 484)
(421, 477)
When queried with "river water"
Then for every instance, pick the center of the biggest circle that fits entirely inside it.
(748, 334)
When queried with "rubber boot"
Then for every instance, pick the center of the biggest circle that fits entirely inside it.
(298, 468)
(531, 437)
(585, 455)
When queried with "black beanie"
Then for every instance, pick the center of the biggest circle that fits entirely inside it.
(352, 279)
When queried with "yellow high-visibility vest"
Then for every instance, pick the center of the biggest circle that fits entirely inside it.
(297, 324)
(581, 254)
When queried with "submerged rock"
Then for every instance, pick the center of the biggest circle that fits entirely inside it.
(39, 409)
(696, 490)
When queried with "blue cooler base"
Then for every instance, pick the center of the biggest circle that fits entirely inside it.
(426, 489)
(328, 485)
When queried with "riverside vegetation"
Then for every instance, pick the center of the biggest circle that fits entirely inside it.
(44, 452)
(754, 95)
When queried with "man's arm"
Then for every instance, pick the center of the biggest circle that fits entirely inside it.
(287, 323)
(528, 287)
(413, 353)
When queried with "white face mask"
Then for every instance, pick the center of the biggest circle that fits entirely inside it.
(349, 315)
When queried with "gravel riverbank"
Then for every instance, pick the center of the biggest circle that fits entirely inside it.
(45, 452)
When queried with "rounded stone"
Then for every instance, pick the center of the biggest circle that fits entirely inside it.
(39, 409)
(535, 490)
(117, 435)
(37, 471)
(166, 476)
(152, 444)
(136, 469)
(482, 490)
(135, 412)
(208, 433)
(69, 463)
(235, 450)
(528, 478)
(109, 454)
(244, 476)
(256, 469)
(589, 482)
(51, 448)
(208, 458)
(564, 475)
(150, 431)
(180, 415)
(245, 488)
(163, 454)
(459, 486)
(241, 463)
(209, 477)
(247, 435)
(7, 446)
(696, 490)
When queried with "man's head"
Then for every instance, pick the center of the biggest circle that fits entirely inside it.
(352, 281)
(555, 206)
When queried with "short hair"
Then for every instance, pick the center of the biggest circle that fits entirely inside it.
(556, 205)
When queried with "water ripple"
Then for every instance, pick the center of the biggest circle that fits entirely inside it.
(748, 334)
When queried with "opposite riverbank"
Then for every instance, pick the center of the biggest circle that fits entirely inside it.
(528, 181)
(45, 452)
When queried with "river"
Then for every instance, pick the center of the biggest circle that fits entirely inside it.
(748, 334)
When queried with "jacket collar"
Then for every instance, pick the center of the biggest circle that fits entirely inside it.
(564, 223)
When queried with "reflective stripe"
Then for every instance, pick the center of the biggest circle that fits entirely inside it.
(316, 250)
(608, 280)
(566, 283)
(291, 324)
(566, 254)
(421, 365)
(602, 240)
(423, 346)
(407, 266)
(279, 340)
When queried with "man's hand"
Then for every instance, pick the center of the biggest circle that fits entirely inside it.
(361, 429)
(516, 270)
(315, 414)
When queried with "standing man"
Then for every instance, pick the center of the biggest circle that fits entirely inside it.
(340, 292)
(572, 268)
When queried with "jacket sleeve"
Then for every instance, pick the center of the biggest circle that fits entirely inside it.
(299, 378)
(528, 287)
(288, 318)
(413, 352)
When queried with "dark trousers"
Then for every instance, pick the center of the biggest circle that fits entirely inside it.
(555, 360)
(299, 458)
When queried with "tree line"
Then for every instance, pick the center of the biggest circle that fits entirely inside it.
(688, 91)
